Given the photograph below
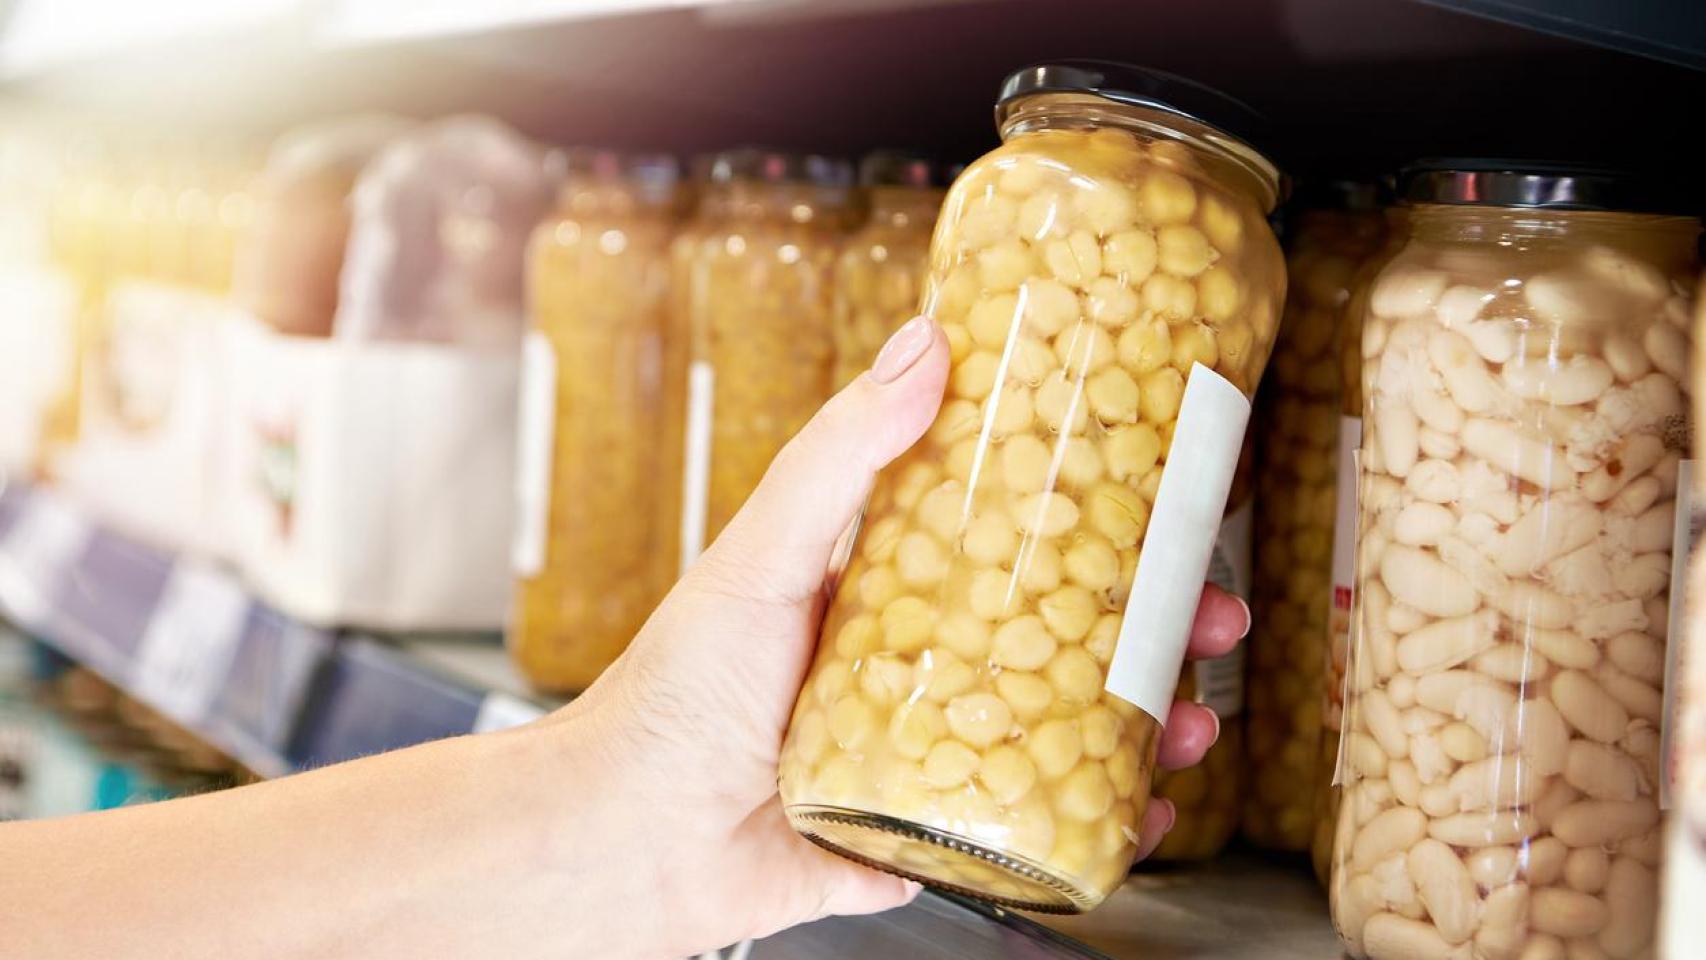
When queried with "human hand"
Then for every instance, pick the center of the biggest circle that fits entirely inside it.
(688, 723)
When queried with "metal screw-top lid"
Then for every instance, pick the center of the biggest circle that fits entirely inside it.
(1539, 185)
(774, 166)
(897, 168)
(1124, 83)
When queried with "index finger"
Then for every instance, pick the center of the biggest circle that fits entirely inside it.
(1222, 620)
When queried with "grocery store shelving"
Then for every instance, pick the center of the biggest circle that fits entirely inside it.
(280, 696)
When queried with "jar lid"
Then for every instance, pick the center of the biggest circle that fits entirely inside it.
(775, 166)
(1142, 87)
(898, 168)
(1540, 185)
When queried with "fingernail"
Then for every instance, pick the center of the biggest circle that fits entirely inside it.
(1172, 816)
(903, 349)
(1216, 738)
(1244, 605)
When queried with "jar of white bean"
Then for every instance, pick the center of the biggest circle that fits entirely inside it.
(1297, 460)
(1342, 615)
(1525, 416)
(980, 714)
(881, 267)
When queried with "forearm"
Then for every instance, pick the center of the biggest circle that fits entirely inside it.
(452, 849)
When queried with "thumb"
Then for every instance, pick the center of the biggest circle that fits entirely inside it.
(781, 541)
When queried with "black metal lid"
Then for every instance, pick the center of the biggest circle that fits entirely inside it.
(1139, 86)
(775, 166)
(1542, 185)
(898, 168)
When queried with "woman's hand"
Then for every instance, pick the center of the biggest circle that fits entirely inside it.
(690, 720)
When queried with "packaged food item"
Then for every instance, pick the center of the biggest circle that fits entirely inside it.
(881, 268)
(593, 402)
(761, 343)
(1525, 420)
(980, 714)
(441, 218)
(1342, 616)
(287, 267)
(1205, 797)
(1338, 227)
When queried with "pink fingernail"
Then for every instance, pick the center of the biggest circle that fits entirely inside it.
(1248, 619)
(1172, 816)
(1216, 717)
(903, 349)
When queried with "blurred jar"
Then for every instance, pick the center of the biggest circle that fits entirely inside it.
(1348, 348)
(1525, 419)
(759, 306)
(1339, 226)
(881, 269)
(974, 717)
(593, 405)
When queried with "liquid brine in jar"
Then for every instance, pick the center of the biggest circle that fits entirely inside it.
(981, 714)
(761, 341)
(593, 406)
(1343, 614)
(881, 268)
(1526, 416)
(1298, 440)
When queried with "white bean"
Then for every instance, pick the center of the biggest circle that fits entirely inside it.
(1396, 433)
(1566, 913)
(1418, 578)
(1445, 888)
(1631, 894)
(1394, 831)
(1600, 771)
(1535, 460)
(1447, 643)
(1550, 529)
(1483, 829)
(1588, 823)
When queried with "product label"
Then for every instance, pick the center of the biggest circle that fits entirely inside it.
(501, 711)
(1688, 523)
(192, 639)
(1220, 681)
(696, 464)
(1345, 521)
(1344, 640)
(1177, 548)
(536, 438)
(44, 541)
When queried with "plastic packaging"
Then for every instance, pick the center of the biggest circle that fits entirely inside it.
(594, 402)
(1298, 437)
(1104, 278)
(881, 267)
(761, 346)
(441, 220)
(1525, 418)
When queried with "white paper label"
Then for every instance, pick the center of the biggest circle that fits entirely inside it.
(1345, 517)
(535, 443)
(1347, 636)
(192, 637)
(1220, 681)
(1180, 540)
(1683, 536)
(696, 464)
(45, 539)
(501, 711)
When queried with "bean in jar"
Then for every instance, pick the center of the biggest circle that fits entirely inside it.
(761, 342)
(1525, 416)
(1297, 472)
(1107, 265)
(597, 296)
(881, 267)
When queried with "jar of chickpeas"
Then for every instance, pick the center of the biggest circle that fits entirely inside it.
(593, 402)
(1338, 227)
(1348, 348)
(881, 268)
(761, 343)
(981, 714)
(1526, 402)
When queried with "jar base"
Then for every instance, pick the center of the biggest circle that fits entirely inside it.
(939, 859)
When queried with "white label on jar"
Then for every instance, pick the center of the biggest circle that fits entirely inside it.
(1178, 545)
(1350, 639)
(45, 540)
(501, 711)
(537, 435)
(696, 465)
(1683, 535)
(1345, 517)
(1220, 681)
(191, 639)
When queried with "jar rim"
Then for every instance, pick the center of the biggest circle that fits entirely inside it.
(775, 166)
(1540, 185)
(902, 168)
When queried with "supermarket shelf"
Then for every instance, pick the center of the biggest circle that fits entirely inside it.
(280, 696)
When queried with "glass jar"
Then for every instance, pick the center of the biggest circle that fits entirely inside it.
(593, 405)
(1205, 796)
(1344, 570)
(1298, 429)
(1525, 418)
(761, 346)
(881, 268)
(1106, 268)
